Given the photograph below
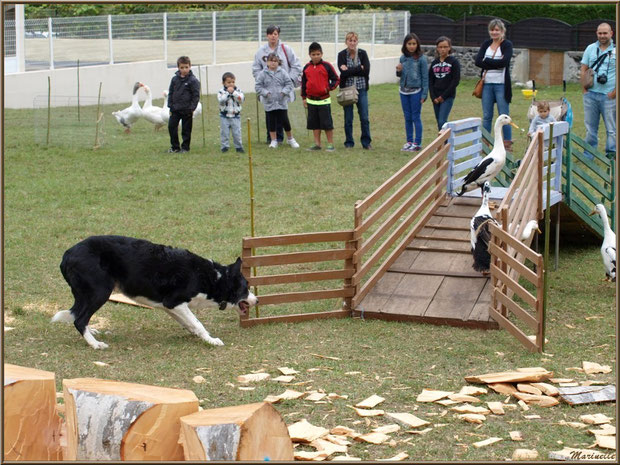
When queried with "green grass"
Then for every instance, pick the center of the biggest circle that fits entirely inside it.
(55, 196)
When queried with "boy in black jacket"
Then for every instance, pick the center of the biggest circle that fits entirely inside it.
(183, 97)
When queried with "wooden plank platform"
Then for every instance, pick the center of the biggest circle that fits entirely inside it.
(433, 281)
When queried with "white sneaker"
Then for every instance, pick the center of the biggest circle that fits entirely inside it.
(273, 144)
(407, 147)
(293, 143)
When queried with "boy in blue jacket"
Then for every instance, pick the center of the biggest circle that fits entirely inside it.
(183, 98)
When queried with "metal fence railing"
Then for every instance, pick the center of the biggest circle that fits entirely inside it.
(208, 37)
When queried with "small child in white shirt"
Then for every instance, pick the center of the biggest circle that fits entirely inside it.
(543, 117)
(230, 99)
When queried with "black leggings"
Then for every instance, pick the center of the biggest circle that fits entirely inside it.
(277, 116)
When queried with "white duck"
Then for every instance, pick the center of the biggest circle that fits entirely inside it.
(132, 113)
(151, 113)
(480, 234)
(197, 111)
(608, 249)
(492, 164)
(528, 232)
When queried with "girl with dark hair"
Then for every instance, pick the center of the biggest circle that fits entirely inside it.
(443, 78)
(413, 72)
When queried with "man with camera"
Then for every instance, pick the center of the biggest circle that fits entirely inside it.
(600, 99)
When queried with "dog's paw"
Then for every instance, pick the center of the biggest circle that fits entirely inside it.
(215, 341)
(100, 345)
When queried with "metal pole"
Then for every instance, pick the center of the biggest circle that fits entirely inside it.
(214, 36)
(78, 88)
(251, 199)
(49, 107)
(99, 118)
(336, 35)
(303, 31)
(547, 240)
(407, 23)
(374, 28)
(20, 54)
(111, 47)
(166, 38)
(202, 113)
(260, 27)
(51, 41)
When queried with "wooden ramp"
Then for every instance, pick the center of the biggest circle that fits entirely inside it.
(433, 281)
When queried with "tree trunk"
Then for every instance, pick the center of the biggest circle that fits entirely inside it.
(244, 432)
(112, 420)
(31, 423)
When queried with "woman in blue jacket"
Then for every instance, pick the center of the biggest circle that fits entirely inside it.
(413, 72)
(494, 59)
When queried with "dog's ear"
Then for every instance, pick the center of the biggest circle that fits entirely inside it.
(237, 265)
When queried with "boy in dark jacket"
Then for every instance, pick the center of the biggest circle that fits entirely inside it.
(317, 80)
(183, 97)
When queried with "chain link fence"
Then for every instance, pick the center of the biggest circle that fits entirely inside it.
(207, 37)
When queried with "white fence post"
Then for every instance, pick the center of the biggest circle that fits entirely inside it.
(407, 23)
(214, 36)
(110, 39)
(20, 55)
(336, 35)
(303, 31)
(260, 28)
(374, 28)
(51, 41)
(166, 38)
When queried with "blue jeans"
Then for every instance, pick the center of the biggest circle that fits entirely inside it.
(362, 111)
(596, 105)
(494, 93)
(442, 111)
(412, 107)
(228, 125)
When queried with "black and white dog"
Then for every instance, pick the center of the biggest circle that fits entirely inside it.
(156, 275)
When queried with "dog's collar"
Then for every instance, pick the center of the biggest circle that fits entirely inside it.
(222, 305)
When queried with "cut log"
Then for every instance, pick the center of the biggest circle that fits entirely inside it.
(243, 432)
(535, 376)
(31, 423)
(113, 420)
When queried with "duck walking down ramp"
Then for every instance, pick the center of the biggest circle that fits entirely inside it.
(433, 281)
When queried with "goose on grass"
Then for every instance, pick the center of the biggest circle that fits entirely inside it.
(492, 164)
(480, 234)
(132, 113)
(151, 113)
(608, 249)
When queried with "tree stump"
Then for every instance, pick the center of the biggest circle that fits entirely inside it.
(113, 420)
(243, 432)
(31, 423)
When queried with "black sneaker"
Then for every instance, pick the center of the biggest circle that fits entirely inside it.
(240, 150)
(171, 150)
(183, 151)
(224, 149)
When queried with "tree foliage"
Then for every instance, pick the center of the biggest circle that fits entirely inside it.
(569, 13)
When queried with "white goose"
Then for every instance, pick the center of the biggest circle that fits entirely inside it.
(165, 111)
(492, 164)
(608, 249)
(132, 113)
(480, 234)
(151, 113)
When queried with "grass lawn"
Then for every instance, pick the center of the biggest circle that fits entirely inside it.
(56, 196)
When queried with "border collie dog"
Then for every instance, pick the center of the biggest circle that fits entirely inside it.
(156, 275)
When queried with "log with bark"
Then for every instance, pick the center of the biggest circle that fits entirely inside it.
(31, 422)
(113, 420)
(243, 432)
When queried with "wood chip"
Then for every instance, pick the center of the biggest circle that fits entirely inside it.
(333, 396)
(103, 364)
(523, 406)
(344, 431)
(520, 375)
(573, 424)
(328, 447)
(303, 431)
(547, 389)
(407, 419)
(542, 401)
(446, 402)
(596, 419)
(286, 371)
(420, 432)
(272, 399)
(561, 380)
(346, 458)
(516, 435)
(370, 402)
(290, 394)
(606, 442)
(458, 397)
(525, 454)
(503, 388)
(341, 441)
(351, 373)
(198, 379)
(387, 429)
(246, 388)
(473, 418)
(606, 430)
(283, 379)
(367, 412)
(496, 407)
(569, 384)
(532, 417)
(569, 453)
(486, 442)
(315, 396)
(470, 409)
(428, 395)
(473, 391)
(529, 389)
(309, 456)
(397, 458)
(373, 438)
(325, 356)
(591, 368)
(253, 377)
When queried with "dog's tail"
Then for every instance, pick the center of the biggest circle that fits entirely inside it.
(63, 316)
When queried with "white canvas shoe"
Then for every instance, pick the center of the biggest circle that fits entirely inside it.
(293, 143)
(273, 144)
